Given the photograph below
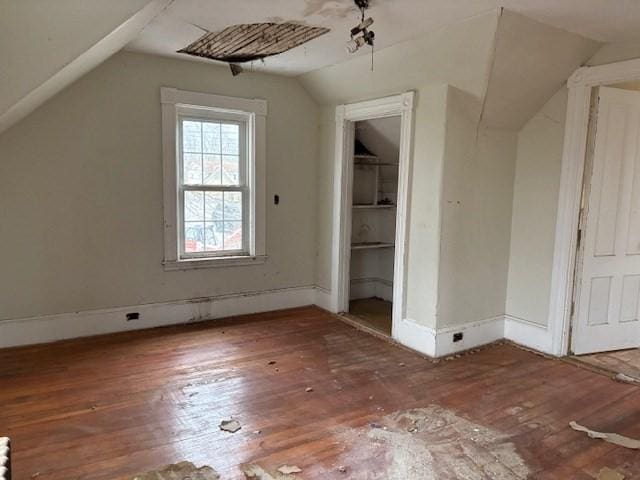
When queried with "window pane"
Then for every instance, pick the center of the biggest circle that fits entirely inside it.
(230, 135)
(191, 136)
(213, 206)
(232, 235)
(193, 206)
(212, 170)
(230, 170)
(211, 137)
(232, 206)
(192, 168)
(193, 237)
(213, 236)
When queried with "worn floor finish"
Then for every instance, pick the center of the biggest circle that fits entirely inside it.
(112, 407)
(373, 313)
(622, 361)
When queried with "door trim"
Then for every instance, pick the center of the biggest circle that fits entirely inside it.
(580, 86)
(346, 115)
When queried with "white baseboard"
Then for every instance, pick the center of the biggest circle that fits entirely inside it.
(51, 328)
(439, 343)
(528, 334)
(473, 335)
(323, 298)
(371, 287)
(420, 338)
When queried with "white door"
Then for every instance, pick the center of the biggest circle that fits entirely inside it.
(608, 294)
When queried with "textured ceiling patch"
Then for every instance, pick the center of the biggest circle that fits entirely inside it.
(247, 42)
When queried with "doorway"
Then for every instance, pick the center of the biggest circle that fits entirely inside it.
(371, 192)
(606, 325)
(375, 166)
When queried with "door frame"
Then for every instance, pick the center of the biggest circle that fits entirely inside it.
(563, 288)
(346, 116)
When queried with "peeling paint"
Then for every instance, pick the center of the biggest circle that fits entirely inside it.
(430, 444)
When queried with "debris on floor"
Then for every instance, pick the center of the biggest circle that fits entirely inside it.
(608, 474)
(431, 443)
(256, 472)
(230, 425)
(623, 378)
(614, 438)
(181, 471)
(308, 389)
(289, 469)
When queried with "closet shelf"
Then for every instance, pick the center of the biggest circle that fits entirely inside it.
(370, 245)
(384, 205)
(366, 163)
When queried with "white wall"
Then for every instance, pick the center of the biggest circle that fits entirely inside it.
(535, 199)
(81, 223)
(535, 204)
(476, 218)
(458, 55)
(46, 46)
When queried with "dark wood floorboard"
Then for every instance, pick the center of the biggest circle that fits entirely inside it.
(111, 407)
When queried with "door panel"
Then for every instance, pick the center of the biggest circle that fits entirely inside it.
(608, 288)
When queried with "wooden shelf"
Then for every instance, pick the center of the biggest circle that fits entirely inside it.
(379, 206)
(374, 164)
(371, 245)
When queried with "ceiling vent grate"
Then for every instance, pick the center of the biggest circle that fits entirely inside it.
(255, 41)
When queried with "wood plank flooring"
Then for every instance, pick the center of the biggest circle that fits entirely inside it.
(373, 313)
(108, 408)
(621, 361)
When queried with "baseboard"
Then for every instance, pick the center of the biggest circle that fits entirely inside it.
(51, 328)
(474, 335)
(323, 298)
(415, 336)
(371, 287)
(439, 343)
(528, 334)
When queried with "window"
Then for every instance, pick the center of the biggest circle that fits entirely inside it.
(214, 179)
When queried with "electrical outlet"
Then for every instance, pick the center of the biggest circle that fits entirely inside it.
(133, 316)
(457, 337)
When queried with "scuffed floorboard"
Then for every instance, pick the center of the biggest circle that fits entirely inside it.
(306, 389)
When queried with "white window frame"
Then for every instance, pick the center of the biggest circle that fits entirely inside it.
(251, 114)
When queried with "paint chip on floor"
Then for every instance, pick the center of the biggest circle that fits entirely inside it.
(613, 438)
(608, 474)
(230, 425)
(289, 469)
(181, 471)
(256, 472)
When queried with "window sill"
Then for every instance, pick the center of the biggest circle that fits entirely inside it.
(198, 263)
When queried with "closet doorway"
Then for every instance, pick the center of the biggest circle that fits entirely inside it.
(373, 151)
(373, 222)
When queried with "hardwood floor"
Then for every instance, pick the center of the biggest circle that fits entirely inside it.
(621, 361)
(115, 406)
(373, 313)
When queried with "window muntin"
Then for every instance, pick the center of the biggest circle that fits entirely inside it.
(214, 190)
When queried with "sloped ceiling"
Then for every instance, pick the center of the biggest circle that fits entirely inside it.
(46, 45)
(381, 136)
(395, 21)
(458, 54)
(531, 62)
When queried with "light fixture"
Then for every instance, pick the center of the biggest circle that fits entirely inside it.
(360, 34)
